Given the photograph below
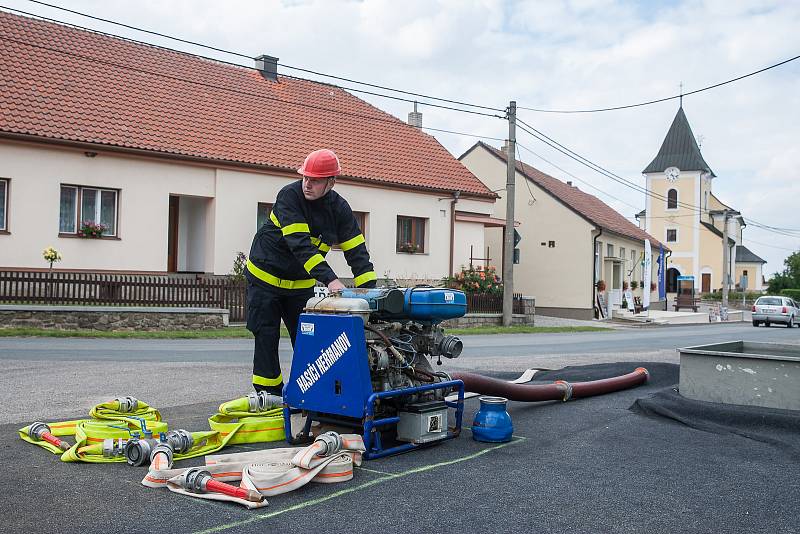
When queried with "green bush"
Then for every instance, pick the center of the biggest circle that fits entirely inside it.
(733, 295)
(792, 294)
(476, 280)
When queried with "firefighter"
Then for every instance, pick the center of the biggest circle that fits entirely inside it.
(287, 259)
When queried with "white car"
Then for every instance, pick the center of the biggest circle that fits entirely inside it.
(770, 310)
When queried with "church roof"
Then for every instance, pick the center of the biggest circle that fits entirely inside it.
(679, 149)
(745, 255)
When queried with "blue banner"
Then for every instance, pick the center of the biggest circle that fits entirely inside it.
(662, 274)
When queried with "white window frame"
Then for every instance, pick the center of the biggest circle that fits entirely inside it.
(78, 215)
(4, 223)
(666, 235)
(610, 250)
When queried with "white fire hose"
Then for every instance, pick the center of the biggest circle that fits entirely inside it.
(329, 459)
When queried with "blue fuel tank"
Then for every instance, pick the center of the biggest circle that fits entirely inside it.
(424, 304)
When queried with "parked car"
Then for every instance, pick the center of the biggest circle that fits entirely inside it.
(769, 310)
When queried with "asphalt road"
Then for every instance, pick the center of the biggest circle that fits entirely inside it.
(629, 340)
(586, 466)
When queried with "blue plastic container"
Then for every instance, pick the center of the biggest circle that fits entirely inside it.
(434, 304)
(492, 423)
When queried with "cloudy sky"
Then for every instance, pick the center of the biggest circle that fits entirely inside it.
(579, 54)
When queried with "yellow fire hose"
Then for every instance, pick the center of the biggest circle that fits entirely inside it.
(250, 419)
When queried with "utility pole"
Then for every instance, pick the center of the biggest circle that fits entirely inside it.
(726, 260)
(508, 237)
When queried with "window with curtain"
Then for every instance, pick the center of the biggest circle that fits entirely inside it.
(672, 199)
(262, 214)
(3, 204)
(672, 235)
(361, 219)
(81, 205)
(410, 234)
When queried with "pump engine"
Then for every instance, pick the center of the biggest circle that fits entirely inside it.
(363, 358)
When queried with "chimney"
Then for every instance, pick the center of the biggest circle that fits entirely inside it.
(268, 67)
(504, 148)
(415, 118)
(569, 184)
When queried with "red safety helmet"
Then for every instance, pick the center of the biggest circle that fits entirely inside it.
(321, 164)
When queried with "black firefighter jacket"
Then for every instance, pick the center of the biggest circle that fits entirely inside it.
(288, 251)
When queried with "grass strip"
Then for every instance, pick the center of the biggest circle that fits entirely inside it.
(240, 332)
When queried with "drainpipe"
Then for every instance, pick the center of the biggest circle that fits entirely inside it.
(594, 264)
(453, 203)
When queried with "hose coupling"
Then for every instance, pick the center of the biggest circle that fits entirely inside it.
(37, 429)
(262, 401)
(179, 440)
(450, 346)
(127, 404)
(331, 441)
(138, 451)
(166, 450)
(114, 447)
(195, 479)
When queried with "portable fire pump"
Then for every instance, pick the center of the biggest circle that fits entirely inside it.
(362, 359)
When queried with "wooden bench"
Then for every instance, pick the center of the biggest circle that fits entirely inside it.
(637, 305)
(685, 301)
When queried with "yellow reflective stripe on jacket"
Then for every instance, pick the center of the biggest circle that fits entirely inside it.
(295, 228)
(364, 278)
(261, 381)
(324, 247)
(274, 219)
(352, 243)
(272, 280)
(312, 262)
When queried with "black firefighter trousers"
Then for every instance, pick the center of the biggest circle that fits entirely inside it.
(265, 309)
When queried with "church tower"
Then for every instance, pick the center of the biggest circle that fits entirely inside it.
(676, 210)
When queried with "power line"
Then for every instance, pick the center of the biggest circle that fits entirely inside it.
(575, 177)
(650, 102)
(527, 128)
(392, 120)
(239, 54)
(588, 163)
(440, 106)
(771, 246)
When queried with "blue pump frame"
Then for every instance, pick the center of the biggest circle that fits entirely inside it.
(374, 448)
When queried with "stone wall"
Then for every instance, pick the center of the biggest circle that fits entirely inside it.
(495, 319)
(108, 318)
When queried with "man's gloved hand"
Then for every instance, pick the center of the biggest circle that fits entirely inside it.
(335, 286)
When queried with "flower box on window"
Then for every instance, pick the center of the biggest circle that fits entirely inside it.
(92, 229)
(411, 248)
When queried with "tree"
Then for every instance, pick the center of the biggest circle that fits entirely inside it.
(789, 278)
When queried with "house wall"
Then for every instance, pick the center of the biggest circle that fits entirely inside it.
(559, 277)
(754, 272)
(217, 215)
(36, 173)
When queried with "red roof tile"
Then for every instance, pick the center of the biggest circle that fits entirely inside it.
(64, 83)
(588, 206)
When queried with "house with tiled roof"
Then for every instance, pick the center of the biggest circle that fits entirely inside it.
(570, 240)
(683, 211)
(179, 157)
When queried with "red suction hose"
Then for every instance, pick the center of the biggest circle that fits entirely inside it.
(558, 390)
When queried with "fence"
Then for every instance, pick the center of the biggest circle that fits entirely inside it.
(481, 303)
(200, 291)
